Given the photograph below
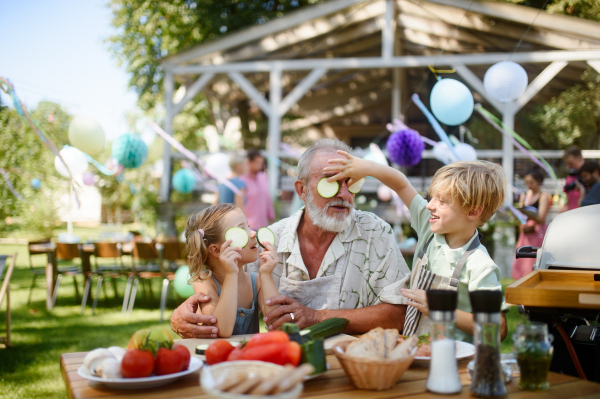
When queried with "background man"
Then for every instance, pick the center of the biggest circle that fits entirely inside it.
(574, 189)
(590, 174)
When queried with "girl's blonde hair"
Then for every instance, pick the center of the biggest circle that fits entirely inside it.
(472, 184)
(210, 221)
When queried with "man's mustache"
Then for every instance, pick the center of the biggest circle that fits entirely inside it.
(338, 202)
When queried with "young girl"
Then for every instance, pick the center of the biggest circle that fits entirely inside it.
(216, 268)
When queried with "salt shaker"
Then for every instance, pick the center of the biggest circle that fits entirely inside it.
(443, 370)
(488, 377)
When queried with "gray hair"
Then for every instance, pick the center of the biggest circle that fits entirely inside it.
(319, 145)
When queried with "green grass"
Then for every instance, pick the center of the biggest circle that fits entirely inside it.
(31, 369)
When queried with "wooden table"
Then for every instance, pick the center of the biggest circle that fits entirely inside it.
(52, 266)
(333, 384)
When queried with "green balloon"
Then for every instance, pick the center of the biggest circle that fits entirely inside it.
(182, 276)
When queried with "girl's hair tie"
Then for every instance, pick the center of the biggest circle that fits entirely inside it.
(201, 232)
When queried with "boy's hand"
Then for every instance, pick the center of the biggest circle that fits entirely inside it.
(268, 259)
(229, 257)
(352, 168)
(417, 299)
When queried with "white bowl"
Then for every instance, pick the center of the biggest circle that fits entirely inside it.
(211, 374)
(140, 383)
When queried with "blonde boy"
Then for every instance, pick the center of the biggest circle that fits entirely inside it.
(464, 195)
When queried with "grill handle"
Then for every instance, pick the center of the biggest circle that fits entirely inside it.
(527, 251)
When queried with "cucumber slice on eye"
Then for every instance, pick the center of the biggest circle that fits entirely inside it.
(326, 189)
(264, 234)
(238, 236)
(357, 186)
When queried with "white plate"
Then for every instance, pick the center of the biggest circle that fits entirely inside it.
(463, 351)
(140, 383)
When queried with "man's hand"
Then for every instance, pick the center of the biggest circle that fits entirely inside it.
(417, 299)
(184, 320)
(303, 316)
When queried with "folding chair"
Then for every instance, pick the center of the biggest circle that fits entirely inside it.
(36, 271)
(171, 252)
(67, 252)
(146, 259)
(114, 271)
(5, 290)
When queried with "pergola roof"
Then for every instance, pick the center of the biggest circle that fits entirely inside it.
(357, 101)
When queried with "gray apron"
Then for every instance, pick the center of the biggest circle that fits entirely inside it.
(422, 279)
(318, 293)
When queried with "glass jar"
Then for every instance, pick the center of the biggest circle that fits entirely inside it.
(443, 370)
(488, 376)
(533, 348)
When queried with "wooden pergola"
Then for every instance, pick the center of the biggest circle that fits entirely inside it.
(345, 68)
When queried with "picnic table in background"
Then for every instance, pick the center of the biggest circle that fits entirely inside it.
(333, 383)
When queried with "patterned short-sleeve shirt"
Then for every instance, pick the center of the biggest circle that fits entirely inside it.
(376, 270)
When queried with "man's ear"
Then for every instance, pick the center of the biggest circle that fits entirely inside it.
(214, 250)
(475, 213)
(301, 188)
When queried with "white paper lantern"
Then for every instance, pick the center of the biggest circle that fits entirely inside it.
(86, 134)
(217, 164)
(442, 153)
(465, 152)
(505, 81)
(75, 159)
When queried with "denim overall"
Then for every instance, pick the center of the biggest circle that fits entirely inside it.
(246, 320)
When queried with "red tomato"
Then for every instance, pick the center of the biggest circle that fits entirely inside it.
(271, 337)
(186, 356)
(168, 361)
(235, 354)
(293, 352)
(218, 351)
(137, 364)
(272, 353)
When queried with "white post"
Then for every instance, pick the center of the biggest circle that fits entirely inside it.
(387, 32)
(274, 129)
(165, 180)
(70, 213)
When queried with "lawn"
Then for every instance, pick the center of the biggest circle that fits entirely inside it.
(31, 369)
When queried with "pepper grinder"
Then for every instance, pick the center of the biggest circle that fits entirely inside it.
(443, 371)
(488, 378)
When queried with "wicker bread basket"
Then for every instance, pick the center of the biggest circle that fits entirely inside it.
(210, 375)
(371, 374)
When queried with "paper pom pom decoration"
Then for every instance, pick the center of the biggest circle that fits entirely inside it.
(36, 183)
(384, 193)
(405, 147)
(184, 181)
(86, 135)
(451, 102)
(75, 160)
(182, 276)
(130, 150)
(217, 165)
(505, 81)
(88, 178)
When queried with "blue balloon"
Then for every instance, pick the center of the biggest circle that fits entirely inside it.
(130, 150)
(451, 102)
(184, 181)
(182, 276)
(36, 183)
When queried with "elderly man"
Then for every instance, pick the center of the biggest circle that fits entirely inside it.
(333, 261)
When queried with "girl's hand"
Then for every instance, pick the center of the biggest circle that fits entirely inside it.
(417, 299)
(268, 259)
(350, 167)
(229, 257)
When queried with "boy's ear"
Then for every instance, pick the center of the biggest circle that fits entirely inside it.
(475, 213)
(214, 250)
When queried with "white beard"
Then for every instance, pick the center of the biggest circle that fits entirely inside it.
(320, 218)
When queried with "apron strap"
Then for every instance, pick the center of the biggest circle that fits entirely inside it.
(424, 250)
(463, 259)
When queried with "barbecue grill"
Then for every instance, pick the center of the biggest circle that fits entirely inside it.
(563, 290)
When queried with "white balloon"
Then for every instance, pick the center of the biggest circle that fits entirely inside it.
(384, 193)
(505, 81)
(217, 164)
(86, 134)
(465, 152)
(442, 153)
(75, 160)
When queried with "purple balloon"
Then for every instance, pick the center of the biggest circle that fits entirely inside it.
(405, 147)
(88, 178)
